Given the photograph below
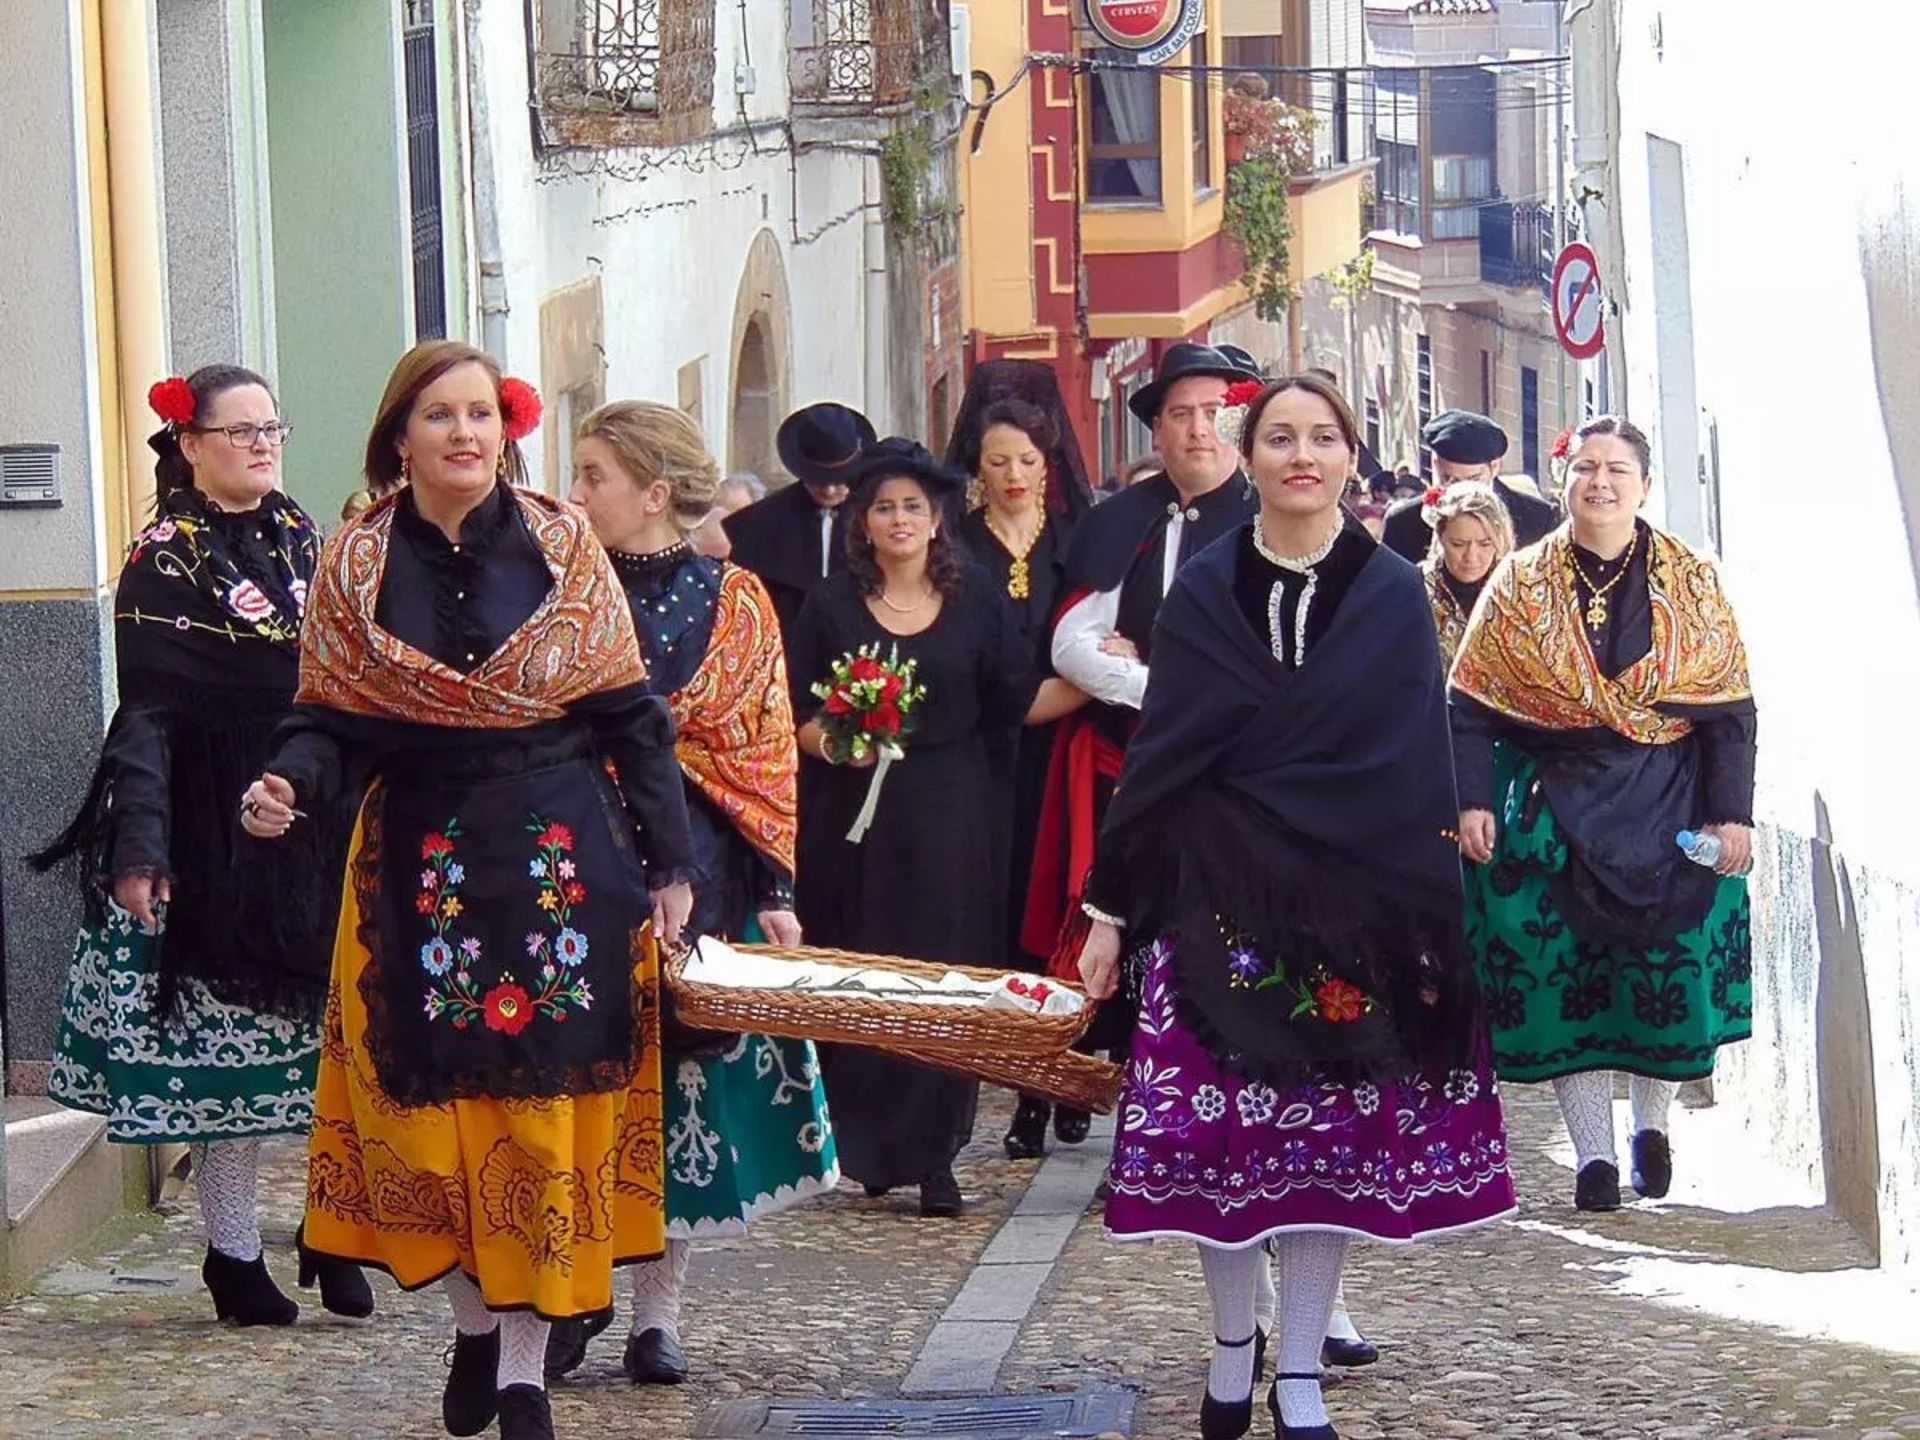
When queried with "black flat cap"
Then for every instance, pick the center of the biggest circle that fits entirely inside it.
(1465, 438)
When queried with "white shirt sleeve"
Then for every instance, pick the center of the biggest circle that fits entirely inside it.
(1078, 658)
(1170, 555)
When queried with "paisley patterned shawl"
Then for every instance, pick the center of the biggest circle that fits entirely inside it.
(1526, 655)
(735, 720)
(1448, 618)
(578, 642)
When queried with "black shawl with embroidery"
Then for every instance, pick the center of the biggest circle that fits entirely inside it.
(1294, 831)
(206, 639)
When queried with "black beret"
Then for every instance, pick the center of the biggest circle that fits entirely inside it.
(1465, 438)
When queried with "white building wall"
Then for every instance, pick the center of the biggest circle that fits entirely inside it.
(669, 241)
(1802, 276)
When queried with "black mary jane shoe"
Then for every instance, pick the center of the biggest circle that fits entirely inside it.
(525, 1413)
(940, 1196)
(1026, 1137)
(1284, 1431)
(567, 1341)
(654, 1357)
(1598, 1187)
(1347, 1354)
(1652, 1164)
(472, 1397)
(1230, 1419)
(343, 1285)
(244, 1292)
(1070, 1126)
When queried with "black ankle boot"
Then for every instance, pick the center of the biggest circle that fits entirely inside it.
(940, 1194)
(1027, 1135)
(343, 1285)
(1284, 1431)
(1070, 1126)
(243, 1292)
(1230, 1419)
(472, 1396)
(525, 1413)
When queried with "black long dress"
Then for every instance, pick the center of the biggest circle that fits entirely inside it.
(1020, 757)
(922, 883)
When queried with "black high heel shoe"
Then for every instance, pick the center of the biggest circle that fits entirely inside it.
(1026, 1137)
(1284, 1431)
(244, 1292)
(343, 1285)
(1230, 1419)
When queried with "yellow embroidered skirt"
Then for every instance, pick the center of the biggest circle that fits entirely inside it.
(537, 1200)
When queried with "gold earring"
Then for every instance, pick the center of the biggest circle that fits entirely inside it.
(406, 472)
(500, 465)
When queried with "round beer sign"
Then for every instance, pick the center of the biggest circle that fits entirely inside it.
(1134, 24)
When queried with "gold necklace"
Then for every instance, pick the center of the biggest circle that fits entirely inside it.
(1019, 574)
(905, 609)
(1597, 602)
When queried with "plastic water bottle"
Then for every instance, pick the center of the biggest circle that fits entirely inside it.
(1700, 849)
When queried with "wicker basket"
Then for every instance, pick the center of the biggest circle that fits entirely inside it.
(894, 1025)
(1068, 1078)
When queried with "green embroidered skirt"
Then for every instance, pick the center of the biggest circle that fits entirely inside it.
(1558, 1005)
(213, 1071)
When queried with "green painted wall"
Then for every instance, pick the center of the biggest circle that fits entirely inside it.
(337, 158)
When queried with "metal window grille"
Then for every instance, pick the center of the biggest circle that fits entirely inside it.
(641, 57)
(856, 53)
(420, 62)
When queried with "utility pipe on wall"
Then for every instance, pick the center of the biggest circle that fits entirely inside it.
(490, 268)
(1593, 40)
(874, 235)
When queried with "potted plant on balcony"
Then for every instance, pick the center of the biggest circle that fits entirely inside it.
(1259, 217)
(1247, 113)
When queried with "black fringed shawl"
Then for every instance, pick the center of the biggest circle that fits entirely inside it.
(1294, 831)
(206, 638)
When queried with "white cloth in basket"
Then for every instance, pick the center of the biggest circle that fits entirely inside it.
(714, 962)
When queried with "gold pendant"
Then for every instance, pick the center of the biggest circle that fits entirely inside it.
(1597, 613)
(1017, 580)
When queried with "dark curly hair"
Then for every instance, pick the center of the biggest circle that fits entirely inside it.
(944, 566)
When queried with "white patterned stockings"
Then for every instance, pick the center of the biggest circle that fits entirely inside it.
(228, 1178)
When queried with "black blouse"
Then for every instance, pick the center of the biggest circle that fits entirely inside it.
(459, 601)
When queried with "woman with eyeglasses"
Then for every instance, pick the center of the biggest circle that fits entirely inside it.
(193, 1003)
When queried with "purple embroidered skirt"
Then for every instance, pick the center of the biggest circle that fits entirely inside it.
(1202, 1154)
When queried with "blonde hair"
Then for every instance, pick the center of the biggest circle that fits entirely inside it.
(1471, 500)
(658, 442)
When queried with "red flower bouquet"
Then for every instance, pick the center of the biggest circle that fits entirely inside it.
(868, 706)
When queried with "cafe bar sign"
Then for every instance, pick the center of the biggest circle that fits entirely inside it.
(1153, 30)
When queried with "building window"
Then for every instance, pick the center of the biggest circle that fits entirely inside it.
(1398, 207)
(1136, 435)
(1423, 368)
(1251, 52)
(422, 66)
(851, 53)
(1123, 130)
(1373, 428)
(1530, 420)
(1202, 115)
(624, 72)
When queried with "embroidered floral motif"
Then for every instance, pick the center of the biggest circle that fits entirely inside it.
(448, 959)
(562, 952)
(1329, 998)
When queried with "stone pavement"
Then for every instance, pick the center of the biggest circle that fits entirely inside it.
(1685, 1321)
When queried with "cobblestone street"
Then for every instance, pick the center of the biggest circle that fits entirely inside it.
(1709, 1316)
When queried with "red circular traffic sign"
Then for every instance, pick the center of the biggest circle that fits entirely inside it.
(1578, 314)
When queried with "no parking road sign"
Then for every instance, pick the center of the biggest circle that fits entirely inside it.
(1577, 311)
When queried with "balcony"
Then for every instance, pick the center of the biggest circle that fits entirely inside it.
(1516, 245)
(1328, 210)
(624, 72)
(854, 57)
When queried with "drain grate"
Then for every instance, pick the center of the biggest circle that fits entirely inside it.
(1075, 1415)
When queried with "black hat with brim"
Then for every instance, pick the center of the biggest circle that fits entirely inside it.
(1183, 362)
(897, 457)
(1465, 438)
(821, 445)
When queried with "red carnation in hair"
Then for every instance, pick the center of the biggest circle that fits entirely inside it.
(172, 400)
(1563, 444)
(519, 407)
(1435, 494)
(1241, 392)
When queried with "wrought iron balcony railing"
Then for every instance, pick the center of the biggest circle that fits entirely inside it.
(859, 55)
(624, 71)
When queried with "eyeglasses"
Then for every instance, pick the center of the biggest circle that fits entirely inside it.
(243, 437)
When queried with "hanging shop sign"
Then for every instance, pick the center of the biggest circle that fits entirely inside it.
(1153, 30)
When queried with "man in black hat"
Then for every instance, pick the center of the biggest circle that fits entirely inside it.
(1466, 446)
(795, 537)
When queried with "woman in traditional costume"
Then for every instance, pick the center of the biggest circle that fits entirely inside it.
(1601, 706)
(1029, 491)
(1472, 534)
(193, 1003)
(746, 1127)
(922, 881)
(1310, 1062)
(489, 1107)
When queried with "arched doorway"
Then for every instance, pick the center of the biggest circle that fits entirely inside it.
(757, 386)
(751, 426)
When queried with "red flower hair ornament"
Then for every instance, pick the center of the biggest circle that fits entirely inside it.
(1562, 444)
(172, 400)
(1242, 392)
(519, 408)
